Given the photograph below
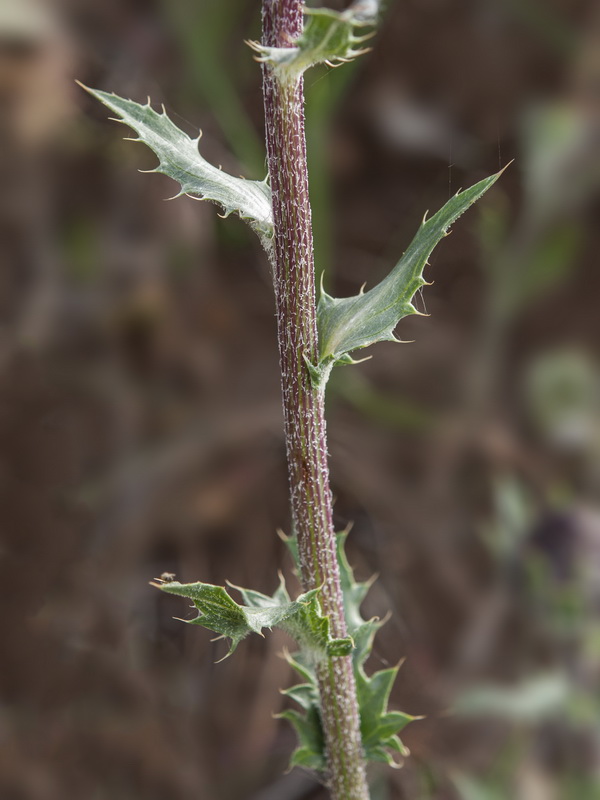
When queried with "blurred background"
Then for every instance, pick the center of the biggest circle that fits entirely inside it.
(140, 420)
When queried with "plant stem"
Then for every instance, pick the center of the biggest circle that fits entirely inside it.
(293, 268)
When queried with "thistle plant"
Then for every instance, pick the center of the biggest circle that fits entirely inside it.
(342, 720)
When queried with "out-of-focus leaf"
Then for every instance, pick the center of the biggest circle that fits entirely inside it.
(513, 518)
(563, 392)
(471, 789)
(530, 701)
(25, 19)
(550, 261)
(561, 161)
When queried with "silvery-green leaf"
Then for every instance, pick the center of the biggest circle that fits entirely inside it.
(180, 159)
(352, 323)
(329, 37)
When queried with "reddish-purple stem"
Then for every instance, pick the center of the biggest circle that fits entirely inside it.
(293, 267)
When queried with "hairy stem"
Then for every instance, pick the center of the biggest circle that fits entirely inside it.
(293, 267)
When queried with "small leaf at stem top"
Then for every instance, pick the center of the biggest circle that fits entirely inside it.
(329, 37)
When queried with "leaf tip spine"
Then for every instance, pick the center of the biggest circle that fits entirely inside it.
(283, 535)
(385, 619)
(220, 660)
(369, 582)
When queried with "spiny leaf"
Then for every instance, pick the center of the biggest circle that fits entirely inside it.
(301, 618)
(259, 600)
(180, 159)
(354, 592)
(373, 694)
(312, 632)
(305, 694)
(306, 757)
(391, 723)
(351, 323)
(310, 734)
(329, 37)
(311, 752)
(362, 631)
(301, 665)
(382, 753)
(363, 638)
(379, 727)
(218, 611)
